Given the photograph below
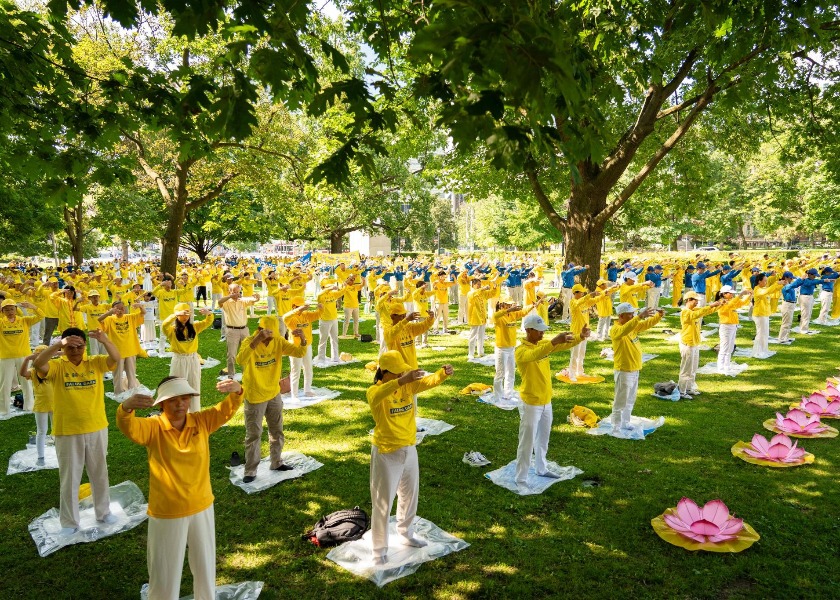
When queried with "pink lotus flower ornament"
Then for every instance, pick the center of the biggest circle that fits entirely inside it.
(797, 422)
(712, 523)
(779, 449)
(830, 391)
(819, 404)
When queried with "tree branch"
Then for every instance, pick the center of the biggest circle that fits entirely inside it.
(147, 168)
(555, 219)
(211, 194)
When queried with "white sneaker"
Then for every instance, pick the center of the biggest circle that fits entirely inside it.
(109, 519)
(475, 459)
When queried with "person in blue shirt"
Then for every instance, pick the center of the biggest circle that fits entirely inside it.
(788, 306)
(827, 294)
(729, 274)
(514, 282)
(654, 274)
(612, 272)
(568, 278)
(698, 282)
(806, 298)
(687, 276)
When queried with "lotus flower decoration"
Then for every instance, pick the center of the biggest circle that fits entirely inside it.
(799, 423)
(712, 523)
(818, 404)
(779, 449)
(830, 391)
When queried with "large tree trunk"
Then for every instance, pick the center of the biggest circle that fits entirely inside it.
(336, 242)
(583, 234)
(125, 251)
(171, 241)
(73, 227)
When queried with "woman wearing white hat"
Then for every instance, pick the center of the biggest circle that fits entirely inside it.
(690, 319)
(183, 340)
(181, 512)
(394, 469)
(728, 320)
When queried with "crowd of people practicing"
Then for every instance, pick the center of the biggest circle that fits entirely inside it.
(66, 331)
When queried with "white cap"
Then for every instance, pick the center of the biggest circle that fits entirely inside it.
(727, 289)
(534, 322)
(174, 388)
(630, 275)
(624, 307)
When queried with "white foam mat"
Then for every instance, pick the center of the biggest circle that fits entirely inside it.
(735, 369)
(506, 478)
(127, 504)
(266, 478)
(302, 401)
(639, 428)
(403, 560)
(244, 590)
(514, 402)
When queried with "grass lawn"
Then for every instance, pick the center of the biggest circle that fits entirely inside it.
(571, 541)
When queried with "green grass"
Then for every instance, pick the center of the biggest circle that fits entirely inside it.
(572, 541)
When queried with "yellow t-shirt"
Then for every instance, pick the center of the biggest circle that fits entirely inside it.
(400, 337)
(262, 367)
(122, 331)
(351, 295)
(186, 346)
(761, 298)
(507, 325)
(167, 299)
(179, 461)
(329, 313)
(535, 370)
(477, 306)
(392, 406)
(579, 309)
(93, 312)
(14, 337)
(625, 342)
(302, 321)
(727, 314)
(79, 395)
(690, 321)
(43, 391)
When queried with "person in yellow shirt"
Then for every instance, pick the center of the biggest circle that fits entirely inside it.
(328, 325)
(261, 357)
(531, 284)
(604, 308)
(14, 347)
(441, 288)
(80, 424)
(394, 468)
(506, 319)
(464, 286)
(67, 301)
(167, 298)
(93, 309)
(582, 301)
(536, 413)
(627, 359)
(691, 317)
(43, 407)
(301, 317)
(765, 288)
(351, 290)
(181, 511)
(477, 318)
(728, 324)
(182, 334)
(629, 290)
(122, 331)
(421, 296)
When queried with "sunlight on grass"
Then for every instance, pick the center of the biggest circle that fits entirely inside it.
(501, 569)
(599, 550)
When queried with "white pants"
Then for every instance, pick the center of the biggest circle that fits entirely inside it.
(825, 307)
(294, 376)
(762, 333)
(516, 294)
(689, 361)
(442, 315)
(233, 339)
(505, 373)
(566, 299)
(351, 313)
(603, 332)
(188, 367)
(578, 353)
(74, 452)
(96, 347)
(9, 374)
(214, 300)
(787, 320)
(806, 306)
(36, 331)
(701, 299)
(148, 332)
(534, 431)
(476, 342)
(491, 310)
(271, 306)
(393, 475)
(727, 346)
(666, 288)
(653, 295)
(127, 365)
(161, 342)
(329, 333)
(626, 389)
(42, 426)
(165, 549)
(462, 309)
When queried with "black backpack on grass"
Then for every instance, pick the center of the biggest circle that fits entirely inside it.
(339, 527)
